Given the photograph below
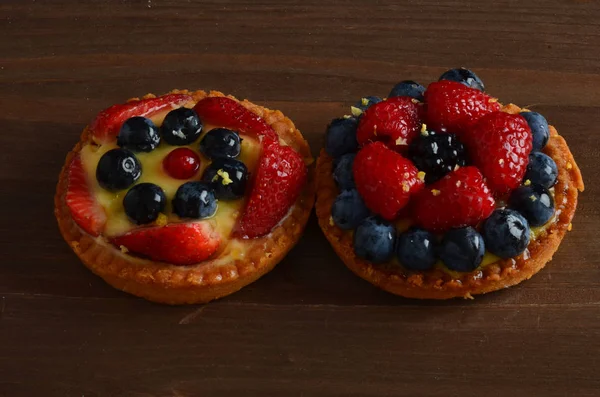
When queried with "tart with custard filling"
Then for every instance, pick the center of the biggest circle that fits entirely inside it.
(185, 197)
(442, 192)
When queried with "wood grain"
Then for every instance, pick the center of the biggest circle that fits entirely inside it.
(310, 327)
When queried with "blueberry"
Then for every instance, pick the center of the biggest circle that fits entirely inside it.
(408, 88)
(374, 240)
(341, 137)
(118, 169)
(464, 76)
(138, 134)
(541, 170)
(506, 233)
(364, 103)
(195, 200)
(539, 129)
(144, 202)
(415, 249)
(228, 178)
(534, 202)
(462, 249)
(181, 127)
(349, 209)
(221, 143)
(342, 173)
(437, 155)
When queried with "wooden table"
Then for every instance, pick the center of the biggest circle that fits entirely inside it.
(310, 327)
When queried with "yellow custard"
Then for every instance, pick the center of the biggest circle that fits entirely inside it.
(152, 171)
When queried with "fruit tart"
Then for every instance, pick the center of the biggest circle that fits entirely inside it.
(443, 192)
(185, 197)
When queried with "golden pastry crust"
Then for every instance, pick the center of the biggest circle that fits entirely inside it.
(440, 284)
(212, 279)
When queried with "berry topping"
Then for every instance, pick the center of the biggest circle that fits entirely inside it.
(144, 202)
(534, 202)
(118, 169)
(459, 199)
(437, 155)
(107, 124)
(195, 200)
(506, 233)
(138, 134)
(363, 104)
(86, 212)
(348, 209)
(181, 163)
(408, 88)
(374, 240)
(221, 143)
(227, 113)
(178, 243)
(394, 121)
(464, 76)
(541, 170)
(385, 179)
(462, 249)
(227, 177)
(279, 179)
(342, 172)
(453, 107)
(341, 137)
(181, 127)
(539, 129)
(415, 249)
(499, 144)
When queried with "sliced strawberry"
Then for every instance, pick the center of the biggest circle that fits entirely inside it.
(176, 243)
(280, 177)
(107, 124)
(385, 179)
(453, 107)
(85, 211)
(395, 121)
(225, 112)
(499, 144)
(459, 199)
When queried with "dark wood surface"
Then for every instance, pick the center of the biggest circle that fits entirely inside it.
(310, 327)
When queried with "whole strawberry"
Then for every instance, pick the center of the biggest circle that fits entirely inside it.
(499, 144)
(459, 199)
(385, 179)
(395, 122)
(453, 107)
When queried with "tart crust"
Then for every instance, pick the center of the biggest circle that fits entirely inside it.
(444, 284)
(205, 281)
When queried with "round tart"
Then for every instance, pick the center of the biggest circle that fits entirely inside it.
(185, 197)
(442, 192)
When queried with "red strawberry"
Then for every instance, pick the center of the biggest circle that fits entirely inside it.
(280, 177)
(225, 112)
(107, 124)
(459, 199)
(499, 144)
(452, 106)
(394, 121)
(86, 212)
(385, 179)
(176, 243)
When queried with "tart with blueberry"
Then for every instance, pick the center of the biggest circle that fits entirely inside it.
(186, 197)
(443, 192)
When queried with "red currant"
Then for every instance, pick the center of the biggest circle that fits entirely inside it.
(181, 163)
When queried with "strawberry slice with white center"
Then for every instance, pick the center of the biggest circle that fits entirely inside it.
(227, 113)
(177, 243)
(107, 124)
(85, 210)
(279, 179)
